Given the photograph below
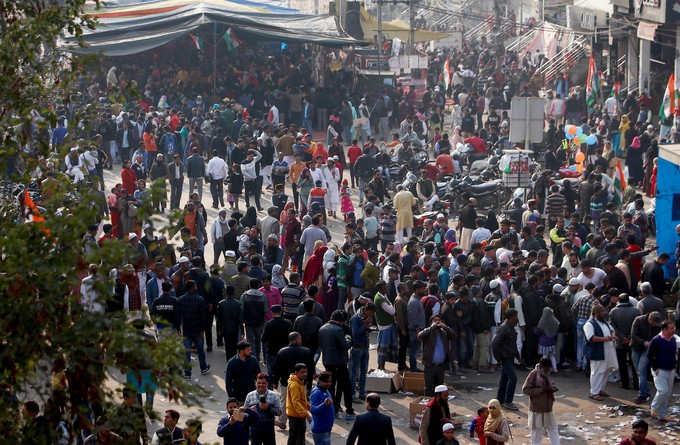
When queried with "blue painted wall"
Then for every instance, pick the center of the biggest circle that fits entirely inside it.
(668, 184)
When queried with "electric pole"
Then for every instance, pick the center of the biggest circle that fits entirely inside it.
(380, 37)
(412, 22)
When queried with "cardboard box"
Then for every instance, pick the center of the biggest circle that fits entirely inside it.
(378, 384)
(414, 382)
(415, 411)
(384, 384)
(397, 382)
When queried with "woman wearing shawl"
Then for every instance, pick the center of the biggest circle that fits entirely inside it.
(624, 126)
(279, 280)
(634, 162)
(547, 329)
(305, 185)
(313, 270)
(329, 297)
(250, 220)
(541, 392)
(496, 428)
(332, 175)
(283, 220)
(320, 151)
(456, 138)
(328, 259)
(450, 240)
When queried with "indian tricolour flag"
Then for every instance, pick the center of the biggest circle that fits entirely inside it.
(593, 82)
(197, 41)
(668, 105)
(446, 74)
(619, 184)
(231, 40)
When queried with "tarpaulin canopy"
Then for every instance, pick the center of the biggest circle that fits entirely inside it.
(396, 28)
(133, 26)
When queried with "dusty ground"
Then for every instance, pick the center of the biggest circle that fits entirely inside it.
(581, 420)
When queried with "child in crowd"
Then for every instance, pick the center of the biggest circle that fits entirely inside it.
(235, 181)
(346, 205)
(477, 425)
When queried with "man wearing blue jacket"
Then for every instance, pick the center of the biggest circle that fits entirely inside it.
(234, 428)
(323, 410)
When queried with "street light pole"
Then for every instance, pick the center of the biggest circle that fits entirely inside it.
(380, 38)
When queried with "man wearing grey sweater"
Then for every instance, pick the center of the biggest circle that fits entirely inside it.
(416, 322)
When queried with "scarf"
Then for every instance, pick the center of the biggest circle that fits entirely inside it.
(314, 265)
(190, 222)
(218, 225)
(495, 417)
(328, 261)
(277, 279)
(548, 323)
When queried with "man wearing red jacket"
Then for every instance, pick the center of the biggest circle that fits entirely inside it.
(353, 152)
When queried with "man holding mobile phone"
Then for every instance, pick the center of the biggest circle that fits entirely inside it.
(267, 405)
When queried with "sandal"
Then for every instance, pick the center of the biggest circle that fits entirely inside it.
(596, 397)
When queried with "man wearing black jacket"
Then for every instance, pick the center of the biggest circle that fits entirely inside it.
(229, 320)
(176, 179)
(164, 309)
(284, 366)
(215, 295)
(504, 347)
(533, 309)
(481, 327)
(274, 338)
(202, 280)
(196, 171)
(191, 311)
(372, 427)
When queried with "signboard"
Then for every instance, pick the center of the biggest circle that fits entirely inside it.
(526, 119)
(646, 30)
(515, 169)
(454, 40)
(408, 63)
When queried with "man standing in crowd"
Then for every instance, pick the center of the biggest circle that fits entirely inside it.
(297, 405)
(504, 347)
(372, 427)
(267, 406)
(241, 372)
(322, 409)
(663, 359)
(541, 391)
(438, 340)
(435, 415)
(599, 349)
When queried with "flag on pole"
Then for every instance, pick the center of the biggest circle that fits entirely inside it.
(446, 74)
(668, 105)
(615, 90)
(619, 184)
(232, 41)
(197, 41)
(593, 83)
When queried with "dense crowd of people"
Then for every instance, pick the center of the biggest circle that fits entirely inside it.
(560, 280)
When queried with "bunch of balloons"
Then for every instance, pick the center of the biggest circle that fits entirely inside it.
(576, 133)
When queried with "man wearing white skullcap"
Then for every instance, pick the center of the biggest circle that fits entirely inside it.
(435, 415)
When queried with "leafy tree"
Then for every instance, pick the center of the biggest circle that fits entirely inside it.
(51, 348)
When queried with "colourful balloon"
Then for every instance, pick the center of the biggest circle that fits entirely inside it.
(572, 130)
(581, 138)
(580, 157)
(579, 131)
(591, 139)
(566, 133)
